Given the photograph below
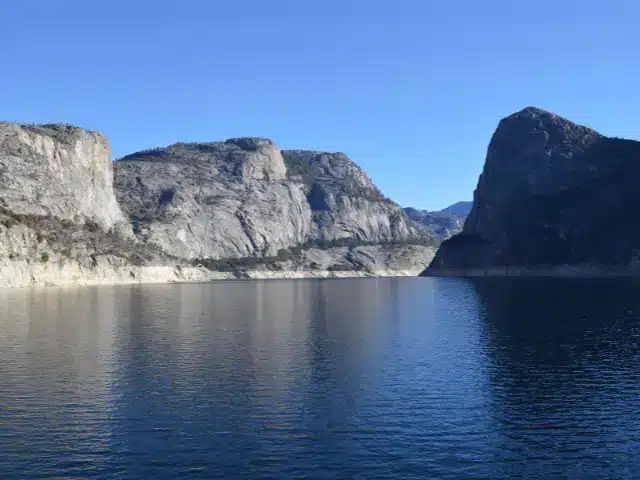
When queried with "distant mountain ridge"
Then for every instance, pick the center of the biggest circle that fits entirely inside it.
(459, 209)
(442, 224)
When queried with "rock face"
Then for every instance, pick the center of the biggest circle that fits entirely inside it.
(213, 200)
(59, 219)
(57, 170)
(246, 198)
(190, 211)
(552, 193)
(344, 201)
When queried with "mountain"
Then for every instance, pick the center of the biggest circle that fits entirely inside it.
(459, 210)
(440, 225)
(60, 222)
(246, 198)
(553, 197)
(190, 211)
(57, 170)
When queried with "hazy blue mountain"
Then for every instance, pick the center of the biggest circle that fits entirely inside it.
(441, 224)
(459, 209)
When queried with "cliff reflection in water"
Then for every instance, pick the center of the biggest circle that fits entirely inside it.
(55, 379)
(564, 366)
(379, 378)
(248, 366)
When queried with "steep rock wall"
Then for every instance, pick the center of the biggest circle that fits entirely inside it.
(551, 194)
(57, 170)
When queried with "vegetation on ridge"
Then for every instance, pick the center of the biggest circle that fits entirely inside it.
(79, 239)
(295, 254)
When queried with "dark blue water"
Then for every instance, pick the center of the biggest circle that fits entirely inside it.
(388, 378)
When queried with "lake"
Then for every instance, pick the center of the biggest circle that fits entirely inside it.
(353, 378)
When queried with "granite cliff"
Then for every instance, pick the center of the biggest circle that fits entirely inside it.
(58, 170)
(245, 198)
(244, 202)
(60, 222)
(239, 208)
(344, 201)
(213, 200)
(553, 198)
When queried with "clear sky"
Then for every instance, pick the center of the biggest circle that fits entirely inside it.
(411, 90)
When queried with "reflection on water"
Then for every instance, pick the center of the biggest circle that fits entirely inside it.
(369, 378)
(564, 367)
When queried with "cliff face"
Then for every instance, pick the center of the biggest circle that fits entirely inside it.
(213, 200)
(185, 207)
(57, 170)
(532, 153)
(344, 201)
(552, 193)
(60, 222)
(246, 198)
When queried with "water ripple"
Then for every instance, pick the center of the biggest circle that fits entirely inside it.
(372, 378)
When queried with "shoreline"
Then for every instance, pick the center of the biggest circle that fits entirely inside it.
(26, 275)
(559, 271)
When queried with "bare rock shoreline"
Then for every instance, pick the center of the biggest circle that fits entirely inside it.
(73, 274)
(191, 212)
(552, 271)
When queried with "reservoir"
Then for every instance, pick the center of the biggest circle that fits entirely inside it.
(349, 378)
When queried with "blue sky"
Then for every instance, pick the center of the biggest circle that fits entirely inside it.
(411, 90)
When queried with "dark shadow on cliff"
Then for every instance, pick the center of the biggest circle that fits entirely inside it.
(580, 212)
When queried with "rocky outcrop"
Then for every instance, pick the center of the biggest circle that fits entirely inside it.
(60, 222)
(182, 208)
(213, 200)
(34, 274)
(57, 170)
(246, 198)
(344, 201)
(552, 196)
(365, 259)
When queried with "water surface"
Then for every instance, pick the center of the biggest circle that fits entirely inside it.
(364, 378)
